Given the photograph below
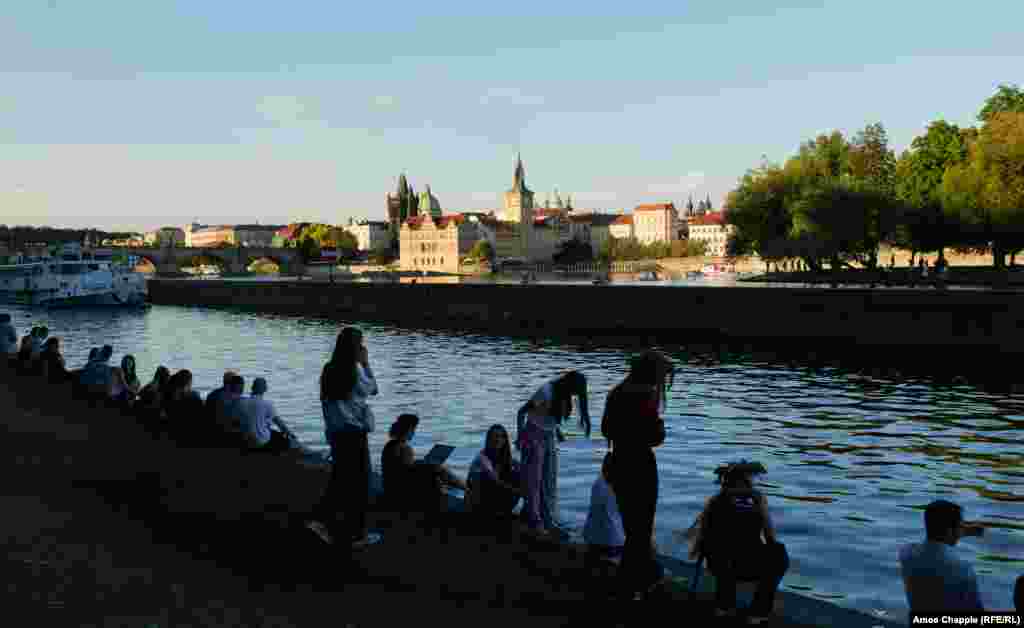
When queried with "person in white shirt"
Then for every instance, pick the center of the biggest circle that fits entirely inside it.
(258, 419)
(935, 578)
(603, 529)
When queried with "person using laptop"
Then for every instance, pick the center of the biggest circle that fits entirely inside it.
(408, 482)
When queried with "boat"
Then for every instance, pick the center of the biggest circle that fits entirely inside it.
(647, 275)
(73, 277)
(694, 274)
(717, 269)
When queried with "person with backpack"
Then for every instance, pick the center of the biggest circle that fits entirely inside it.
(737, 538)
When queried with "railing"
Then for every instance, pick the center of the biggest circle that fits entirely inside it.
(591, 268)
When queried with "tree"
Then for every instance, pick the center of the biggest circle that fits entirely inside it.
(920, 170)
(309, 249)
(986, 193)
(1007, 99)
(482, 251)
(871, 161)
(573, 251)
(344, 240)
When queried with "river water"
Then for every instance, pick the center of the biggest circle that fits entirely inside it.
(852, 459)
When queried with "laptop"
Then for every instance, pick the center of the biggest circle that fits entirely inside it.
(438, 454)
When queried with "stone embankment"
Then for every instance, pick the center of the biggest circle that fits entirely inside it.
(108, 525)
(885, 326)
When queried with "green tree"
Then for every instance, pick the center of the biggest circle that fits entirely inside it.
(1007, 99)
(573, 251)
(482, 251)
(871, 162)
(986, 193)
(309, 249)
(920, 169)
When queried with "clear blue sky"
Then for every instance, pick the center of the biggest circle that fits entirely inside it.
(134, 114)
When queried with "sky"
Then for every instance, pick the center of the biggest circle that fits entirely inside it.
(130, 115)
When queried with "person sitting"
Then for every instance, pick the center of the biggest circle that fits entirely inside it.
(184, 407)
(603, 529)
(24, 357)
(408, 483)
(52, 362)
(229, 415)
(934, 577)
(97, 379)
(215, 399)
(124, 385)
(258, 418)
(493, 481)
(8, 339)
(729, 534)
(150, 402)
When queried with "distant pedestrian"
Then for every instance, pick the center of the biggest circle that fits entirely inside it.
(345, 384)
(924, 268)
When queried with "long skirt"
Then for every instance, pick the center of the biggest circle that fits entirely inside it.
(540, 478)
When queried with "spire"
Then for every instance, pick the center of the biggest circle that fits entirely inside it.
(519, 176)
(403, 185)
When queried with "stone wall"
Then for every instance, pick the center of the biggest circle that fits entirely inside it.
(891, 325)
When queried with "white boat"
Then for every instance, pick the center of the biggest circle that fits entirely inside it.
(70, 278)
(647, 275)
(717, 269)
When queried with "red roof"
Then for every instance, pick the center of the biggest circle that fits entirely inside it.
(625, 219)
(655, 207)
(714, 218)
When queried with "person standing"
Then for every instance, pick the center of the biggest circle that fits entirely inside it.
(345, 384)
(538, 423)
(633, 428)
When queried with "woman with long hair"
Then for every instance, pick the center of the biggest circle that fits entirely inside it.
(150, 402)
(633, 427)
(184, 408)
(494, 484)
(345, 383)
(538, 423)
(52, 362)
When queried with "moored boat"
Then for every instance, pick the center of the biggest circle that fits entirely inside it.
(72, 278)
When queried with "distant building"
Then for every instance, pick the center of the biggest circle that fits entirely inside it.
(657, 222)
(401, 205)
(711, 229)
(131, 241)
(165, 236)
(370, 235)
(622, 227)
(430, 244)
(205, 237)
(255, 235)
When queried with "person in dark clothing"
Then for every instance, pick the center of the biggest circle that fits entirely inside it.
(1018, 595)
(52, 363)
(184, 408)
(633, 427)
(149, 406)
(736, 535)
(216, 397)
(409, 484)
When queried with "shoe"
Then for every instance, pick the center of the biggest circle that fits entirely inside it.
(321, 531)
(371, 538)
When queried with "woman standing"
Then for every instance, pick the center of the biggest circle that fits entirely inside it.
(632, 425)
(345, 383)
(538, 422)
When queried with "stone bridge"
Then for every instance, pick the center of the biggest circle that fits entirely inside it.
(234, 259)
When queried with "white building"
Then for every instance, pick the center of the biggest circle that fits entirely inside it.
(370, 235)
(712, 230)
(622, 227)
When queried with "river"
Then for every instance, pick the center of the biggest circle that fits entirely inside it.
(852, 459)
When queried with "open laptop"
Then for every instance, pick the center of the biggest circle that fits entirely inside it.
(438, 454)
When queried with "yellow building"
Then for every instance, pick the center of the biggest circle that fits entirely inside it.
(435, 244)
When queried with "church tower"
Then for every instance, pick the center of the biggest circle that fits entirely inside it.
(519, 207)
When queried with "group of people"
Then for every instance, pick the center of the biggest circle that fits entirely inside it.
(734, 532)
(167, 403)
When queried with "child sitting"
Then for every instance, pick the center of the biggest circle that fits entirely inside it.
(603, 530)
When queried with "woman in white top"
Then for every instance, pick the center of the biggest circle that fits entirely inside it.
(345, 384)
(538, 422)
(603, 530)
(494, 484)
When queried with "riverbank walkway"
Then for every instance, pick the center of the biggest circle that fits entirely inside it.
(107, 525)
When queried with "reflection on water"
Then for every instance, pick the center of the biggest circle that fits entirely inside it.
(852, 459)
